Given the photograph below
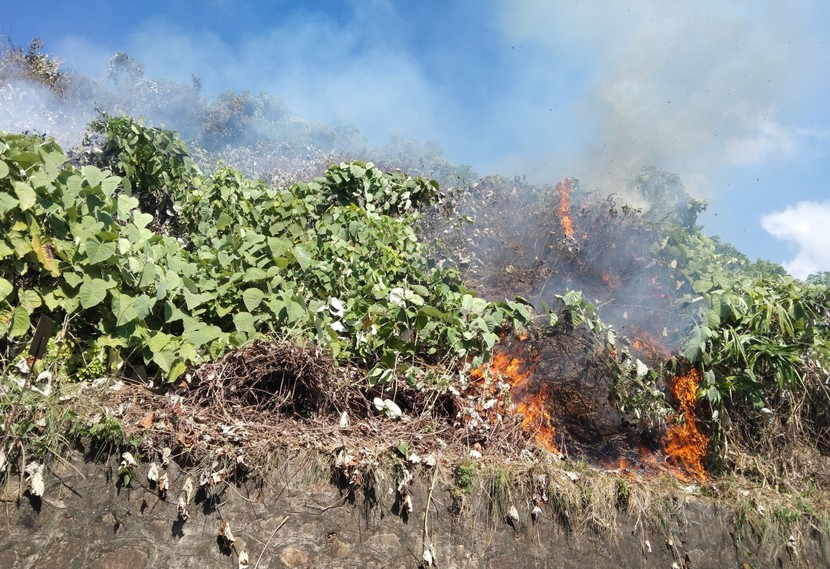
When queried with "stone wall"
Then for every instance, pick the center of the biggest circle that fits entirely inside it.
(298, 518)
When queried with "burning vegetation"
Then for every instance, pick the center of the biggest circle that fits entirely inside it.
(619, 323)
(606, 382)
(685, 444)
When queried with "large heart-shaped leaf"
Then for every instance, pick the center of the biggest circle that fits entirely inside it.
(98, 252)
(92, 292)
(252, 298)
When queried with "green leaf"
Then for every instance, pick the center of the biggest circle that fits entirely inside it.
(92, 175)
(109, 184)
(165, 359)
(73, 279)
(141, 220)
(195, 300)
(254, 274)
(696, 344)
(572, 298)
(143, 305)
(123, 307)
(701, 286)
(294, 310)
(92, 292)
(7, 202)
(25, 194)
(302, 256)
(29, 300)
(223, 221)
(98, 252)
(19, 322)
(177, 368)
(148, 276)
(125, 205)
(252, 298)
(244, 322)
(158, 341)
(4, 169)
(204, 335)
(422, 290)
(5, 288)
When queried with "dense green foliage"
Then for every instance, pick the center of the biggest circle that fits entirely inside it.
(336, 259)
(762, 338)
(142, 256)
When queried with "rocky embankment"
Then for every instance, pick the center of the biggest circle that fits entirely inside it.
(299, 516)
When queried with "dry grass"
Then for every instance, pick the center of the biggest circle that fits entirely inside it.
(276, 408)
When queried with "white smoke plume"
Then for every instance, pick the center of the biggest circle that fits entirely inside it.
(689, 87)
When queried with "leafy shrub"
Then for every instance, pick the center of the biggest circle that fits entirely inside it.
(336, 259)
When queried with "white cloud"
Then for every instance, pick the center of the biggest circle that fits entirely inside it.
(807, 226)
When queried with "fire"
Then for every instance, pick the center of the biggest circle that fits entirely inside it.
(536, 419)
(685, 445)
(613, 281)
(564, 188)
(647, 345)
(657, 290)
(532, 405)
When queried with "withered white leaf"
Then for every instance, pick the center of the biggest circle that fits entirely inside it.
(181, 508)
(428, 557)
(128, 460)
(243, 559)
(35, 480)
(218, 476)
(187, 489)
(165, 456)
(513, 514)
(3, 460)
(164, 486)
(407, 502)
(225, 531)
(153, 472)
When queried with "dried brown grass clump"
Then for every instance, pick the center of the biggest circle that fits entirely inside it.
(269, 377)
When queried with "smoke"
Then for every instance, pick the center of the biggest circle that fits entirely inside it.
(324, 70)
(690, 87)
(30, 107)
(712, 91)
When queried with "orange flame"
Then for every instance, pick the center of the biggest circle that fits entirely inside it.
(685, 445)
(536, 419)
(612, 280)
(532, 406)
(657, 290)
(564, 188)
(647, 345)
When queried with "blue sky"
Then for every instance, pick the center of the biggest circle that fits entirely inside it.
(732, 96)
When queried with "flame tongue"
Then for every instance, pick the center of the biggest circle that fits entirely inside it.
(564, 188)
(531, 402)
(685, 444)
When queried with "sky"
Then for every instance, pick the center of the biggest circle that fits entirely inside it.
(731, 96)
